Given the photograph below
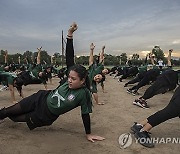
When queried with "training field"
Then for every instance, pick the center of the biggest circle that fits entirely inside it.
(67, 135)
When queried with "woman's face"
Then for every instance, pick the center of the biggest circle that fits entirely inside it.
(74, 81)
(98, 77)
(105, 71)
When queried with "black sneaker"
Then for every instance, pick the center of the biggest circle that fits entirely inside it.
(120, 80)
(141, 103)
(144, 139)
(126, 84)
(136, 128)
(134, 93)
(129, 91)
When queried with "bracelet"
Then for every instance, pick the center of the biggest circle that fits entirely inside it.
(69, 36)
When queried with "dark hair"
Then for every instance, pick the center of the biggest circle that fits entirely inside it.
(103, 78)
(82, 73)
(44, 76)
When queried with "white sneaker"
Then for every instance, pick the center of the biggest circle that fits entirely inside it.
(4, 88)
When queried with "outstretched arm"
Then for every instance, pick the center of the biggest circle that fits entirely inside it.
(101, 59)
(145, 61)
(19, 60)
(91, 59)
(5, 57)
(26, 60)
(169, 57)
(39, 55)
(69, 46)
(152, 58)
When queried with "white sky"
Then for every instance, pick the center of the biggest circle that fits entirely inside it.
(130, 26)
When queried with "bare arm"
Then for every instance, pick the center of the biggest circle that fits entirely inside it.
(19, 60)
(152, 59)
(92, 46)
(101, 59)
(5, 57)
(169, 57)
(39, 55)
(26, 60)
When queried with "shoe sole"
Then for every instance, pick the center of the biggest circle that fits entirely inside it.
(129, 92)
(133, 94)
(138, 104)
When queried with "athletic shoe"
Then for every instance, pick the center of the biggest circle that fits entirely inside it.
(141, 103)
(129, 91)
(120, 80)
(134, 93)
(125, 84)
(136, 128)
(3, 88)
(144, 139)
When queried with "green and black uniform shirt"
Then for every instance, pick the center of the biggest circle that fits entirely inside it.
(7, 78)
(1, 68)
(64, 99)
(93, 71)
(34, 73)
(142, 69)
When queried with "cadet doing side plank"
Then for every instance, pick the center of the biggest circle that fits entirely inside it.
(44, 107)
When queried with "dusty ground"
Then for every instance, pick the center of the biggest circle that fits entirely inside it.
(67, 135)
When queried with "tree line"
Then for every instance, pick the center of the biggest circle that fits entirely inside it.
(59, 59)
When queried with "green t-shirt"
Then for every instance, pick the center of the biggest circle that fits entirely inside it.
(7, 77)
(155, 67)
(34, 73)
(64, 99)
(1, 68)
(142, 69)
(93, 71)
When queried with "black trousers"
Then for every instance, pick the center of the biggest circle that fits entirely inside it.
(159, 86)
(138, 78)
(172, 110)
(142, 83)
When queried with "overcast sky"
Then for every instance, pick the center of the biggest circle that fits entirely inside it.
(131, 26)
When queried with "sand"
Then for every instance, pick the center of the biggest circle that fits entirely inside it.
(67, 135)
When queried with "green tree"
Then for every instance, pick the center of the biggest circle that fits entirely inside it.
(123, 58)
(135, 56)
(158, 52)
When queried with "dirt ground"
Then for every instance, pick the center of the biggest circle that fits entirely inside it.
(67, 135)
